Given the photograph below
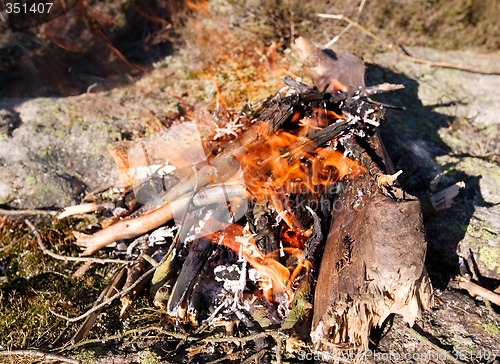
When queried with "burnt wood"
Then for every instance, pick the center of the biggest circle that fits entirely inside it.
(373, 260)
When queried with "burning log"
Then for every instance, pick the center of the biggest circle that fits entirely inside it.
(251, 219)
(366, 273)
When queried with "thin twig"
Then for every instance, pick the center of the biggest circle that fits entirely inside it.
(405, 55)
(38, 354)
(139, 331)
(12, 243)
(106, 302)
(26, 212)
(471, 262)
(346, 29)
(45, 250)
(476, 290)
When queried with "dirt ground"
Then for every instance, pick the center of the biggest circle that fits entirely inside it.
(54, 140)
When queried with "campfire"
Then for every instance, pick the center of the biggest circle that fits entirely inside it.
(287, 218)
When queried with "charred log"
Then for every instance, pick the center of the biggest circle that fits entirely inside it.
(367, 272)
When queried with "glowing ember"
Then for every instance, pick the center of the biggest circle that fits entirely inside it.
(275, 278)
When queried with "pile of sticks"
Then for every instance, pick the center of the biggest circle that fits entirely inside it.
(237, 235)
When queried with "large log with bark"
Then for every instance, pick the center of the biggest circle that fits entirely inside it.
(373, 262)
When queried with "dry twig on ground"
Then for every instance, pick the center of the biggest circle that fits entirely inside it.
(476, 290)
(27, 212)
(47, 251)
(106, 302)
(403, 53)
(37, 354)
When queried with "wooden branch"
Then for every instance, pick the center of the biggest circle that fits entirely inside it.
(26, 212)
(129, 228)
(407, 57)
(45, 250)
(120, 336)
(38, 354)
(275, 334)
(83, 209)
(476, 290)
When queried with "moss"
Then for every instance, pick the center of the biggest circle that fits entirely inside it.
(32, 284)
(31, 181)
(492, 329)
(149, 358)
(480, 232)
(490, 257)
(86, 357)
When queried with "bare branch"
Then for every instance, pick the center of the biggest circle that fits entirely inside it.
(38, 354)
(404, 55)
(45, 250)
(476, 290)
(26, 212)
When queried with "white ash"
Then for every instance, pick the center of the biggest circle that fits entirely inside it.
(233, 127)
(371, 122)
(159, 236)
(231, 277)
(283, 304)
(247, 246)
(119, 211)
(253, 275)
(358, 198)
(360, 133)
(196, 231)
(317, 334)
(279, 218)
(352, 119)
(139, 242)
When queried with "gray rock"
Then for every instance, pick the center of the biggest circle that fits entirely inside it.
(6, 195)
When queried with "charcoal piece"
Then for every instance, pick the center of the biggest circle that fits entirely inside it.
(195, 260)
(315, 239)
(267, 238)
(114, 286)
(279, 112)
(261, 220)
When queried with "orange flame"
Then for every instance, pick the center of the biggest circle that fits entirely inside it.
(292, 163)
(275, 166)
(275, 278)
